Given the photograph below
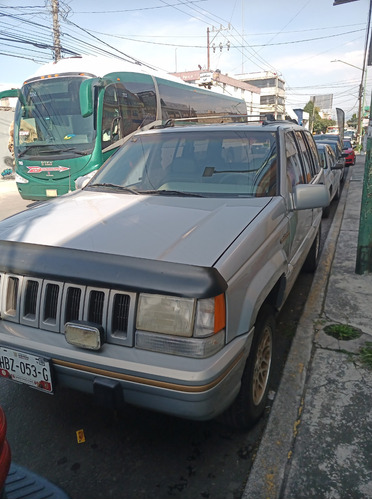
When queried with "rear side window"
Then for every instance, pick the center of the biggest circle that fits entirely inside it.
(307, 158)
(293, 167)
(313, 151)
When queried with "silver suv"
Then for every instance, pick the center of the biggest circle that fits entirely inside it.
(158, 283)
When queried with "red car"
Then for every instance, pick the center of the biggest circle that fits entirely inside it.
(5, 457)
(17, 481)
(349, 152)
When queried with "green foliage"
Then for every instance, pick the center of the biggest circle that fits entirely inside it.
(317, 124)
(366, 355)
(342, 332)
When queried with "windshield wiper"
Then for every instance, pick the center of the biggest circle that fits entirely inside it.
(165, 192)
(27, 148)
(115, 187)
(44, 150)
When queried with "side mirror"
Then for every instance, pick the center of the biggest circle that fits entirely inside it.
(82, 181)
(86, 96)
(307, 196)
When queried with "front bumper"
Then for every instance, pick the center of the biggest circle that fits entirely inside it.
(198, 389)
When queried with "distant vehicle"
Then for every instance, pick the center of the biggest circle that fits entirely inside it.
(337, 149)
(72, 115)
(350, 134)
(332, 172)
(333, 129)
(328, 137)
(349, 151)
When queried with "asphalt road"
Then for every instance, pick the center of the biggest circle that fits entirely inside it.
(134, 453)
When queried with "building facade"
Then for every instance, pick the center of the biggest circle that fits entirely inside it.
(272, 97)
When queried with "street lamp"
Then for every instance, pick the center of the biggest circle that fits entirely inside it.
(362, 89)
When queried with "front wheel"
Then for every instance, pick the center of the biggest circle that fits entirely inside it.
(252, 397)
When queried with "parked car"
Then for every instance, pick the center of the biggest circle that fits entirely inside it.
(158, 283)
(351, 136)
(340, 156)
(328, 137)
(349, 152)
(332, 172)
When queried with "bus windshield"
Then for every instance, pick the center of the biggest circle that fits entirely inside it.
(48, 119)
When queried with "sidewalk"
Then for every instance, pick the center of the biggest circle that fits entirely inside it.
(318, 440)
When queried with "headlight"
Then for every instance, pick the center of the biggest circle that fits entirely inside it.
(178, 319)
(20, 179)
(165, 314)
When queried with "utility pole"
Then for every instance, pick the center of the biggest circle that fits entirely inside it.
(56, 32)
(220, 46)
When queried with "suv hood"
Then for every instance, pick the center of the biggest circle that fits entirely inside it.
(174, 229)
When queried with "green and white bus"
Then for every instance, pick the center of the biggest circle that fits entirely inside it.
(72, 115)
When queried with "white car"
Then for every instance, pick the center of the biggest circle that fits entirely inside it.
(332, 172)
(157, 284)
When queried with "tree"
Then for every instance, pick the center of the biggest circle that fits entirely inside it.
(353, 122)
(317, 124)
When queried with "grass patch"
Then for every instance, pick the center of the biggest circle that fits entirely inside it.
(342, 332)
(366, 355)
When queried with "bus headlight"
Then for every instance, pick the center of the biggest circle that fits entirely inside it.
(20, 180)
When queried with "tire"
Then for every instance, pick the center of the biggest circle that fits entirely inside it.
(326, 211)
(252, 397)
(338, 192)
(312, 259)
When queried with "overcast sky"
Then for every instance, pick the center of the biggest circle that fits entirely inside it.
(298, 39)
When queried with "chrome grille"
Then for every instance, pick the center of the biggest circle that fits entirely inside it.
(11, 296)
(31, 293)
(49, 305)
(120, 313)
(50, 309)
(95, 306)
(73, 304)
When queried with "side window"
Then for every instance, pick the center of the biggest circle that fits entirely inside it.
(305, 157)
(294, 168)
(313, 151)
(111, 126)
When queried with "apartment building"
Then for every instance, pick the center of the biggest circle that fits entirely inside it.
(272, 97)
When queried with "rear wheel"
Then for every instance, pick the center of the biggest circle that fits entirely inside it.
(251, 400)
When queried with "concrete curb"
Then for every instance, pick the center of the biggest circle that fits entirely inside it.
(268, 473)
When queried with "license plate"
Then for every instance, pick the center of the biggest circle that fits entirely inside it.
(51, 192)
(26, 368)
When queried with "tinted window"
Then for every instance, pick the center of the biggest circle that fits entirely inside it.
(305, 157)
(294, 167)
(179, 101)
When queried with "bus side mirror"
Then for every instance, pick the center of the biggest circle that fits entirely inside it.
(86, 96)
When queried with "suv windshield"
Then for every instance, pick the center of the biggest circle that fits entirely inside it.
(204, 162)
